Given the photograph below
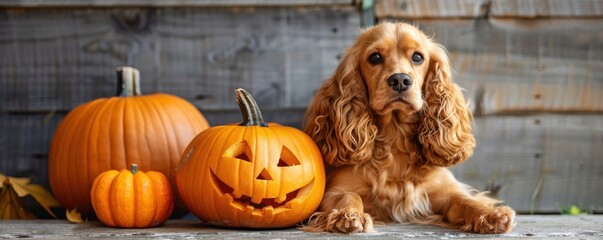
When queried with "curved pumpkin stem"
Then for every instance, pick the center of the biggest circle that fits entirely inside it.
(128, 82)
(134, 168)
(249, 109)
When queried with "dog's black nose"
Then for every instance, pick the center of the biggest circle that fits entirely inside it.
(399, 81)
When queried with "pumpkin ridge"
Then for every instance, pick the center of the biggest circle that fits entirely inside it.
(145, 156)
(105, 133)
(130, 141)
(144, 200)
(92, 152)
(179, 133)
(118, 200)
(164, 117)
(175, 135)
(180, 104)
(110, 195)
(117, 135)
(155, 107)
(100, 197)
(73, 178)
(164, 196)
(135, 189)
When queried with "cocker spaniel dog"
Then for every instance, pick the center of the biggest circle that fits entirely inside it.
(388, 123)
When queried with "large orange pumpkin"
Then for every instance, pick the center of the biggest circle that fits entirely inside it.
(132, 199)
(253, 174)
(112, 133)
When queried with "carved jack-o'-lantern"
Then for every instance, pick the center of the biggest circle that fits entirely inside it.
(252, 174)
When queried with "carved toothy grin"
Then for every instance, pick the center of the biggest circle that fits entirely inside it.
(243, 201)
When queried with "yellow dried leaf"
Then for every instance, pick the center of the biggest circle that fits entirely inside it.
(17, 185)
(43, 197)
(22, 188)
(74, 216)
(10, 204)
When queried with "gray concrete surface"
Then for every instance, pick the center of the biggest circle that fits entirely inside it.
(532, 227)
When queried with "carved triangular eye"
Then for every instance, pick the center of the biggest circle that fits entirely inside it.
(239, 151)
(287, 159)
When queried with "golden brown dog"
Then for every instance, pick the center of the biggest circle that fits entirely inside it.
(388, 124)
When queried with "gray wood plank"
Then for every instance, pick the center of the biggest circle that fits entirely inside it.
(420, 9)
(429, 9)
(547, 8)
(57, 59)
(511, 84)
(168, 3)
(510, 66)
(540, 162)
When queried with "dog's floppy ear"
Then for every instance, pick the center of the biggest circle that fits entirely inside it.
(445, 127)
(339, 119)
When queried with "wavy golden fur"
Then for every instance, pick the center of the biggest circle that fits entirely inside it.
(388, 123)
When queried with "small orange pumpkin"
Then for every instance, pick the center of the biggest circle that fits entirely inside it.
(253, 174)
(132, 199)
(112, 133)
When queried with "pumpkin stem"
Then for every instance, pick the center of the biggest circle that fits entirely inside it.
(134, 168)
(249, 109)
(128, 82)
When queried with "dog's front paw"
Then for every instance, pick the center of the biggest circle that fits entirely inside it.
(349, 220)
(496, 220)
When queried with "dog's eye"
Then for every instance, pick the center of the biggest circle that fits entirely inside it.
(375, 58)
(417, 58)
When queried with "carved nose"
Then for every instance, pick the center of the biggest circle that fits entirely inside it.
(399, 82)
(264, 175)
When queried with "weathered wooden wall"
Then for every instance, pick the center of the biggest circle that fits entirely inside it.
(533, 71)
